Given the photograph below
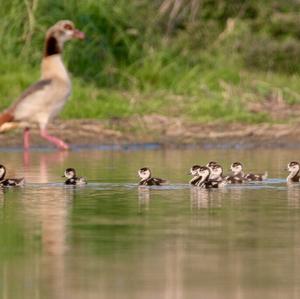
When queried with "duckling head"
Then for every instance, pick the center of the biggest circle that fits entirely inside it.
(216, 171)
(293, 167)
(194, 170)
(211, 164)
(236, 168)
(204, 172)
(70, 173)
(2, 172)
(144, 173)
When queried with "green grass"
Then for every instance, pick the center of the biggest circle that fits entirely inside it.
(129, 64)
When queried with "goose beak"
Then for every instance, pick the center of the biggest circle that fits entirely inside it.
(78, 34)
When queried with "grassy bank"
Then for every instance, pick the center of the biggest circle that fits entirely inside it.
(210, 60)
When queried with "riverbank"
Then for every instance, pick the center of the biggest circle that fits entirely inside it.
(163, 131)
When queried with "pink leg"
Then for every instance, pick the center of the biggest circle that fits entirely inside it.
(56, 141)
(26, 135)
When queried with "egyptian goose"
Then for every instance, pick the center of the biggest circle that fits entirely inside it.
(42, 101)
(146, 178)
(72, 179)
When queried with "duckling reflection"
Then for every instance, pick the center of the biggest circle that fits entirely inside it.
(203, 199)
(236, 194)
(199, 198)
(144, 198)
(2, 190)
(293, 195)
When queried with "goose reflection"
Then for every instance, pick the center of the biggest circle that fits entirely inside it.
(47, 210)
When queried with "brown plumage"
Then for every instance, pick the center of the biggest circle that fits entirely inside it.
(42, 101)
(5, 117)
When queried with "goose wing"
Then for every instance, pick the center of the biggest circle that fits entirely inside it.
(32, 100)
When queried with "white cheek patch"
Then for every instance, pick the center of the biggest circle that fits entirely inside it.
(193, 172)
(67, 35)
(205, 173)
(69, 32)
(69, 174)
(142, 174)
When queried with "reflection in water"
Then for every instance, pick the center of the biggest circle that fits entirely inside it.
(1, 197)
(50, 209)
(199, 198)
(293, 195)
(96, 242)
(144, 198)
(46, 212)
(42, 164)
(205, 198)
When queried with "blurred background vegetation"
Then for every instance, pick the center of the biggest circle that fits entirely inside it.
(202, 60)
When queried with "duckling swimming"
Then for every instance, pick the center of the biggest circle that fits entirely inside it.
(294, 169)
(238, 175)
(237, 169)
(72, 179)
(196, 177)
(146, 178)
(216, 173)
(202, 178)
(9, 182)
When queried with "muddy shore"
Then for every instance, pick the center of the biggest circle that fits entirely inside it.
(162, 131)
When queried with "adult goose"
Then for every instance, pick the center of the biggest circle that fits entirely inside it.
(42, 101)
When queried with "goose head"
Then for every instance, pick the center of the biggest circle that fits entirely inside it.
(58, 34)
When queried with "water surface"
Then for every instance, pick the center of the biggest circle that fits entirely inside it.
(111, 239)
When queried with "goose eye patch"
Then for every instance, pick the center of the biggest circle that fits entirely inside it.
(68, 27)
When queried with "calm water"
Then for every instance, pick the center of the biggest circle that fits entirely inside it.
(112, 239)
